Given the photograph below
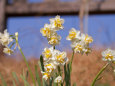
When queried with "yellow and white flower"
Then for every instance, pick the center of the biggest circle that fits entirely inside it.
(49, 68)
(108, 55)
(46, 75)
(87, 39)
(54, 39)
(57, 23)
(5, 38)
(48, 53)
(60, 58)
(80, 43)
(78, 47)
(46, 31)
(73, 34)
(58, 80)
(7, 51)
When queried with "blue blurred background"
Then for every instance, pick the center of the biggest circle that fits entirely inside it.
(100, 27)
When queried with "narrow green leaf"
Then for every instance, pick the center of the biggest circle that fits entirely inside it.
(3, 81)
(25, 82)
(37, 76)
(27, 74)
(14, 84)
(59, 70)
(44, 83)
(68, 74)
(74, 84)
(41, 61)
(40, 65)
(65, 74)
(51, 81)
(12, 44)
(11, 35)
(16, 78)
(55, 84)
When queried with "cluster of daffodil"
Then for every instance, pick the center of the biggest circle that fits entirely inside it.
(80, 41)
(6, 39)
(53, 58)
(49, 30)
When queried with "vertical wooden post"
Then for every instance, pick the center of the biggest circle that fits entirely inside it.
(2, 15)
(2, 20)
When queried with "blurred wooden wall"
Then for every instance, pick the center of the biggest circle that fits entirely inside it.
(51, 7)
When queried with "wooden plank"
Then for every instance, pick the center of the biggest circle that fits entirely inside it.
(19, 1)
(2, 15)
(2, 21)
(51, 8)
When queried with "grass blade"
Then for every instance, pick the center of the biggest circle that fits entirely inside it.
(16, 78)
(74, 84)
(51, 81)
(68, 74)
(14, 84)
(3, 81)
(40, 65)
(31, 74)
(43, 81)
(37, 76)
(25, 82)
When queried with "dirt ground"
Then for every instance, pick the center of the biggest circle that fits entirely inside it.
(84, 69)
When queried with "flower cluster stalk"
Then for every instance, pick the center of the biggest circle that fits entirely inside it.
(71, 60)
(99, 73)
(31, 75)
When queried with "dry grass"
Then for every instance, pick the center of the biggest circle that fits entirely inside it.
(84, 69)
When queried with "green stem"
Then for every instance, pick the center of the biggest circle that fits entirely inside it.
(99, 73)
(31, 75)
(70, 67)
(54, 47)
(59, 71)
(70, 64)
(72, 57)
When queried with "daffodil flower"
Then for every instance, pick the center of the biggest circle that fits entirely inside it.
(46, 75)
(73, 35)
(46, 31)
(87, 39)
(5, 38)
(7, 51)
(48, 53)
(80, 42)
(60, 58)
(54, 40)
(78, 47)
(108, 55)
(49, 67)
(57, 23)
